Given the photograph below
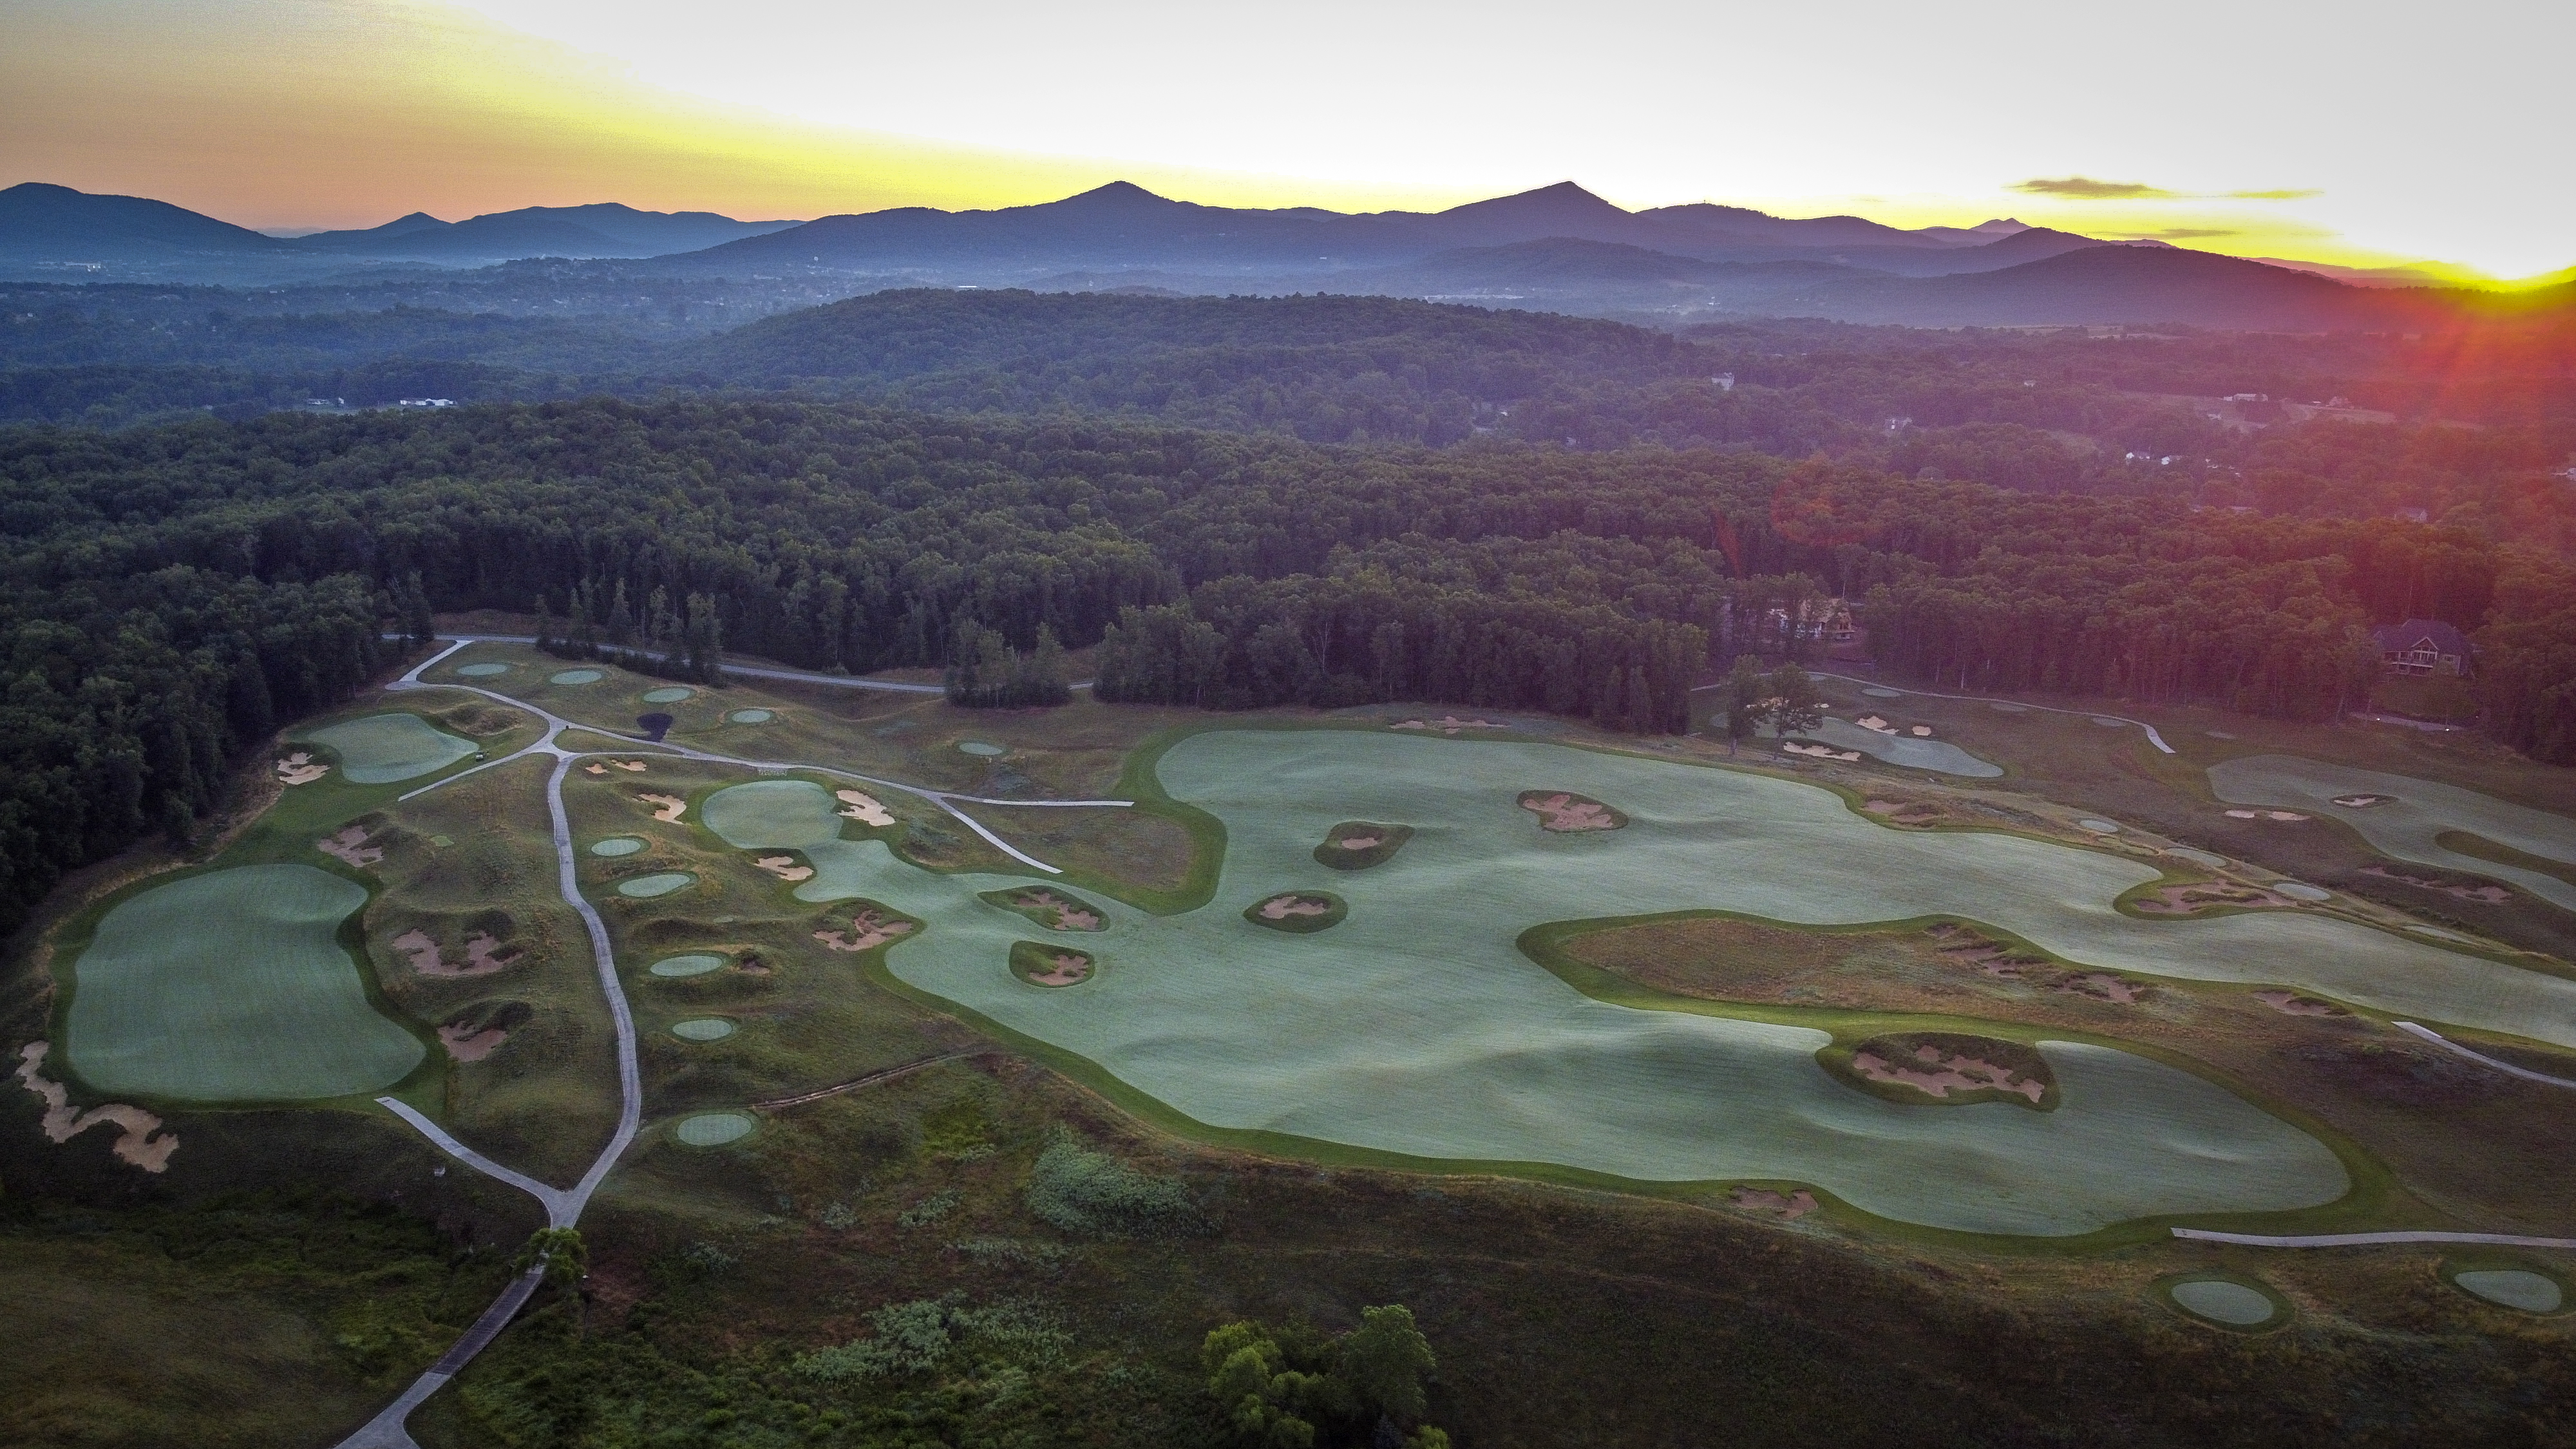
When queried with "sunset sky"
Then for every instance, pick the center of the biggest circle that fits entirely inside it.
(2358, 133)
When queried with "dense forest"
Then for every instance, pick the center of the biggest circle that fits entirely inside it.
(173, 593)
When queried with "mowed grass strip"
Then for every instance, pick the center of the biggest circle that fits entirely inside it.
(232, 986)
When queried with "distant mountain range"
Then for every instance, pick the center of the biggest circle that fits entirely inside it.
(1559, 248)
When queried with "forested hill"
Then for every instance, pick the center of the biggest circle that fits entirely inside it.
(169, 596)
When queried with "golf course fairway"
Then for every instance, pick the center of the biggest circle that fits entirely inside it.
(2408, 816)
(382, 748)
(232, 987)
(1417, 1027)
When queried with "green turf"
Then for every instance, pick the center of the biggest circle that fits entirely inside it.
(379, 749)
(617, 845)
(694, 964)
(796, 815)
(752, 716)
(2224, 1300)
(482, 671)
(576, 676)
(2407, 825)
(1903, 750)
(670, 694)
(2514, 1288)
(1422, 1031)
(232, 986)
(661, 883)
(714, 1129)
(702, 1028)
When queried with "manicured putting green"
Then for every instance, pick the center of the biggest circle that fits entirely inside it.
(482, 671)
(645, 887)
(984, 748)
(2514, 1288)
(383, 748)
(617, 845)
(576, 676)
(714, 1129)
(1904, 751)
(232, 986)
(671, 695)
(2210, 859)
(752, 716)
(1417, 1026)
(703, 1028)
(794, 815)
(2222, 1300)
(2409, 823)
(696, 963)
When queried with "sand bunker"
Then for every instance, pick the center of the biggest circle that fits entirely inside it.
(1821, 752)
(1873, 722)
(300, 769)
(1298, 912)
(134, 1142)
(2489, 895)
(1955, 1069)
(714, 1129)
(868, 930)
(2184, 900)
(1448, 724)
(1048, 909)
(1564, 811)
(2362, 802)
(1042, 965)
(863, 808)
(1965, 947)
(1790, 1206)
(482, 954)
(467, 1044)
(2265, 815)
(666, 808)
(784, 867)
(350, 847)
(635, 767)
(1359, 844)
(2290, 1003)
(2513, 1287)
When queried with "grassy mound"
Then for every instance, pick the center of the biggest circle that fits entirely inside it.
(1298, 912)
(1040, 964)
(1082, 1191)
(1048, 907)
(1949, 1069)
(1359, 844)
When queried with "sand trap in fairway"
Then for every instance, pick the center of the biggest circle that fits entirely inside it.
(1821, 752)
(134, 1141)
(482, 956)
(1055, 912)
(1040, 964)
(868, 930)
(752, 716)
(1280, 908)
(646, 887)
(2514, 1288)
(300, 769)
(576, 676)
(2411, 817)
(1562, 812)
(1936, 1073)
(714, 1129)
(671, 695)
(2362, 802)
(1903, 751)
(2184, 900)
(1789, 1206)
(2222, 1300)
(383, 748)
(617, 845)
(2281, 815)
(693, 964)
(482, 671)
(784, 867)
(466, 1044)
(864, 809)
(703, 1028)
(2290, 1003)
(350, 847)
(666, 808)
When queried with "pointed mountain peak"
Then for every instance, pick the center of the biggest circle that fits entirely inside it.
(1116, 194)
(1565, 198)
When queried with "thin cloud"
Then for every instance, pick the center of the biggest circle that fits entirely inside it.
(2286, 193)
(2085, 188)
(2180, 233)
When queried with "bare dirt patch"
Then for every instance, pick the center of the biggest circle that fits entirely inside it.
(350, 847)
(1049, 909)
(483, 954)
(134, 1143)
(300, 768)
(1298, 912)
(863, 808)
(474, 1033)
(784, 867)
(1913, 814)
(869, 929)
(1565, 812)
(1042, 965)
(1964, 947)
(666, 808)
